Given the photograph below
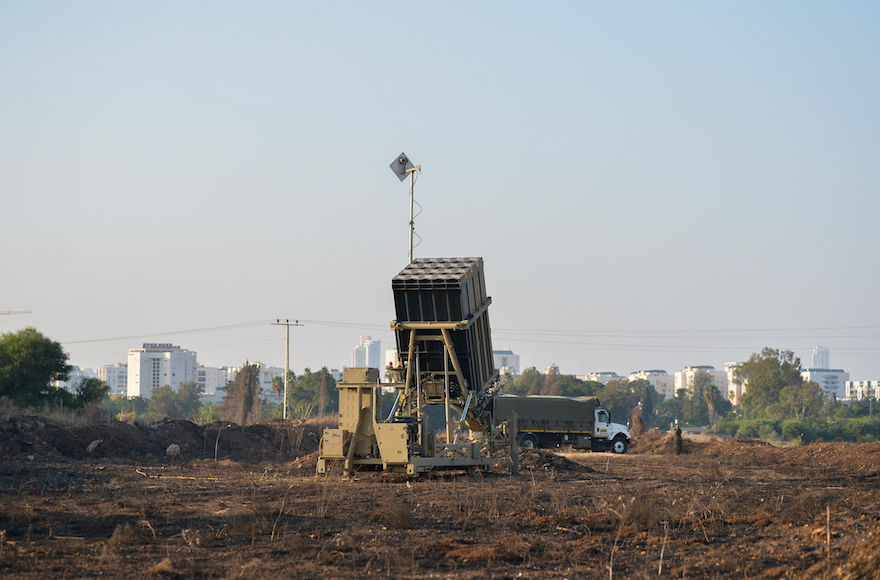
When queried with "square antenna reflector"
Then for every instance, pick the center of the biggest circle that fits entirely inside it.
(400, 165)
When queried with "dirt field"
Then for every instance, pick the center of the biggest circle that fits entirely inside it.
(723, 509)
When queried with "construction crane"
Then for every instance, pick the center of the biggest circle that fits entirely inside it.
(5, 312)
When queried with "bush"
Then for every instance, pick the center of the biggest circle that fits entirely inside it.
(727, 426)
(758, 429)
(796, 430)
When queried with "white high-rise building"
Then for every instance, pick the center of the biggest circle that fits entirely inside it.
(506, 362)
(116, 377)
(367, 354)
(157, 364)
(821, 358)
(831, 381)
(663, 382)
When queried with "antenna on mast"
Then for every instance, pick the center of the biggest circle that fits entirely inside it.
(402, 167)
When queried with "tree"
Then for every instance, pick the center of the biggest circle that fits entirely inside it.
(29, 362)
(765, 375)
(620, 396)
(242, 401)
(533, 382)
(529, 382)
(311, 392)
(188, 399)
(324, 393)
(91, 391)
(206, 414)
(162, 402)
(182, 404)
(713, 397)
(278, 385)
(803, 401)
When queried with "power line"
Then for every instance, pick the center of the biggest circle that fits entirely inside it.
(171, 332)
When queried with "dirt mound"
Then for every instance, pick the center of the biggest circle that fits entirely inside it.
(657, 442)
(653, 441)
(305, 465)
(850, 458)
(538, 460)
(749, 449)
(37, 438)
(863, 561)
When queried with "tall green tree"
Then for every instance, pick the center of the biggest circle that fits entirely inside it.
(765, 376)
(713, 398)
(242, 401)
(620, 397)
(802, 402)
(91, 391)
(189, 399)
(29, 362)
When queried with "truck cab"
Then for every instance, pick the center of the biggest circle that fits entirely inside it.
(607, 435)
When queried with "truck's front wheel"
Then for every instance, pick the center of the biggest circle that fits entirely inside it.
(619, 445)
(528, 441)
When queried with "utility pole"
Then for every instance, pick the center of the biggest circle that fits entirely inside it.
(287, 324)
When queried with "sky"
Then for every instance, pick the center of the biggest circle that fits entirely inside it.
(650, 185)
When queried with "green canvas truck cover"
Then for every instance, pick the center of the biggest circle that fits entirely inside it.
(547, 413)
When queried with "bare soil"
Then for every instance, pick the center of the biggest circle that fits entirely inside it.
(731, 508)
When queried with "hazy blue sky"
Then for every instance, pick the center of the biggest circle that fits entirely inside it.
(651, 185)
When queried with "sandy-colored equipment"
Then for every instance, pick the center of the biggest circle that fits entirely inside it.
(444, 347)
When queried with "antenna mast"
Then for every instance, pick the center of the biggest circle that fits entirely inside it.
(402, 167)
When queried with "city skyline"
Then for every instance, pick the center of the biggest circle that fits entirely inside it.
(649, 186)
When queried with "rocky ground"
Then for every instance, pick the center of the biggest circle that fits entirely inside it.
(247, 504)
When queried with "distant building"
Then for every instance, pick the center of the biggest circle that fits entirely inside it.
(734, 391)
(157, 364)
(663, 382)
(74, 378)
(506, 362)
(116, 377)
(554, 369)
(862, 390)
(821, 358)
(603, 376)
(213, 381)
(367, 354)
(267, 375)
(831, 381)
(684, 379)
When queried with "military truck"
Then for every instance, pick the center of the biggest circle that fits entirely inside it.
(550, 421)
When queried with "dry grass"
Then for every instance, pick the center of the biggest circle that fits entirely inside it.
(708, 515)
